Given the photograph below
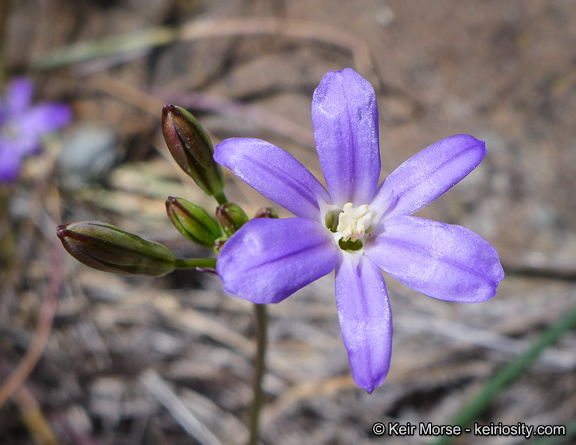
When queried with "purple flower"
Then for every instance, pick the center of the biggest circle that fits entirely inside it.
(23, 125)
(356, 227)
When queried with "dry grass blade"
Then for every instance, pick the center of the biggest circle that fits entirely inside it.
(248, 68)
(48, 310)
(209, 28)
(491, 340)
(34, 418)
(168, 398)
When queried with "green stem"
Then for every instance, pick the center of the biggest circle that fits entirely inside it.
(510, 373)
(221, 198)
(259, 368)
(191, 263)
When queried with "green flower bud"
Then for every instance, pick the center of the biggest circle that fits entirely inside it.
(192, 221)
(231, 217)
(109, 249)
(266, 212)
(192, 149)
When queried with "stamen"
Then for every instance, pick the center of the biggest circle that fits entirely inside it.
(353, 222)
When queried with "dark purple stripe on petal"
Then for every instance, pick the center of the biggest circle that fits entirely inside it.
(345, 120)
(441, 260)
(267, 260)
(365, 320)
(274, 173)
(430, 173)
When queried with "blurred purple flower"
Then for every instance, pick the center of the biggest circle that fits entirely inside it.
(22, 125)
(356, 227)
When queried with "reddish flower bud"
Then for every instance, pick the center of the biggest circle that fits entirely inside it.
(266, 212)
(107, 248)
(231, 217)
(192, 149)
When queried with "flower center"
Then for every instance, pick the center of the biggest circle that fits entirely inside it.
(353, 222)
(350, 226)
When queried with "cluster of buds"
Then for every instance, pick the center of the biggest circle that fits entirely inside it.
(110, 249)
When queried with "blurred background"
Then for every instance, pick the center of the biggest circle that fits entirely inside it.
(114, 348)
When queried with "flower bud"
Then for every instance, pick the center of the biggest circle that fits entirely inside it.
(192, 221)
(192, 149)
(266, 212)
(231, 217)
(107, 248)
(218, 244)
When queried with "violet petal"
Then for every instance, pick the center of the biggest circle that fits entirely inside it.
(440, 260)
(44, 118)
(345, 121)
(365, 320)
(267, 260)
(429, 173)
(19, 95)
(10, 160)
(274, 173)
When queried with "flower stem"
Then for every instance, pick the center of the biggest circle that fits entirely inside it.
(509, 374)
(191, 263)
(221, 198)
(259, 368)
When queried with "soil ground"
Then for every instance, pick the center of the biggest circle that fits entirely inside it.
(503, 71)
